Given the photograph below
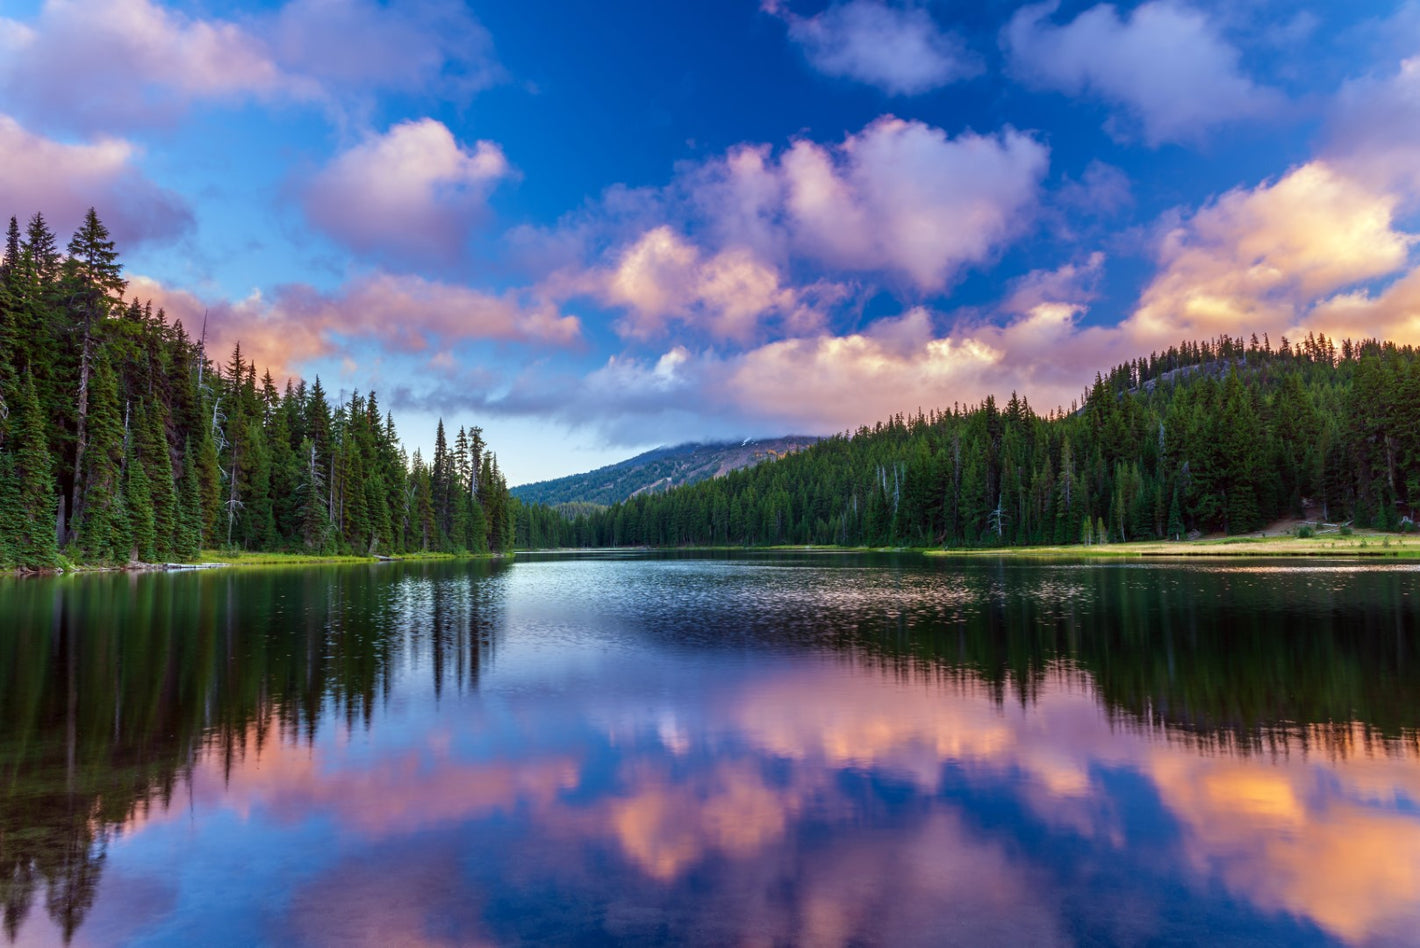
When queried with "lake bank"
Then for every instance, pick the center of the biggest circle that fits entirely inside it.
(223, 559)
(1355, 545)
(1359, 544)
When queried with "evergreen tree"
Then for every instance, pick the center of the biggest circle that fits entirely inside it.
(187, 543)
(138, 502)
(102, 531)
(33, 534)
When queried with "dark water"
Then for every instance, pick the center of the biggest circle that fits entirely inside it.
(813, 750)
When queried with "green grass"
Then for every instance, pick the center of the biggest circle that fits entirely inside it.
(1325, 544)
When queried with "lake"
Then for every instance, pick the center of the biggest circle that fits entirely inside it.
(815, 749)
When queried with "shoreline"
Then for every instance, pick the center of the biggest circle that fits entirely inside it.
(217, 559)
(1356, 546)
(1365, 545)
(1361, 545)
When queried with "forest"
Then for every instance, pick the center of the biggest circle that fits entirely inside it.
(122, 441)
(1222, 436)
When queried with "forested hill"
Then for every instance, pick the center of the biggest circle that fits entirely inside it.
(659, 470)
(121, 440)
(1218, 436)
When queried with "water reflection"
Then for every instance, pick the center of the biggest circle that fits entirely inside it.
(781, 750)
(114, 688)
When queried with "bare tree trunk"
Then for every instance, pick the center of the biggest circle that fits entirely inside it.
(232, 502)
(81, 440)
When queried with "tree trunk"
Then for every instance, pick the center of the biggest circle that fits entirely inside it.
(80, 440)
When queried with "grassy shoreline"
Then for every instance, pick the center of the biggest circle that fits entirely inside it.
(1355, 546)
(233, 559)
(210, 558)
(1361, 544)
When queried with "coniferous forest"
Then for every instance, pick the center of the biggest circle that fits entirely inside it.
(122, 440)
(1223, 436)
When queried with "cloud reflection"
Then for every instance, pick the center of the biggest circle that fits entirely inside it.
(831, 802)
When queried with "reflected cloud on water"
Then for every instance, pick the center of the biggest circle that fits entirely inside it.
(1032, 758)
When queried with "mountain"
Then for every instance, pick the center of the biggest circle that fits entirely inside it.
(658, 470)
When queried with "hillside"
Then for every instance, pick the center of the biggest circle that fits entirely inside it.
(659, 470)
(1217, 437)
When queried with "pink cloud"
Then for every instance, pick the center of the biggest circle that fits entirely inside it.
(901, 50)
(824, 382)
(414, 192)
(899, 364)
(902, 196)
(899, 197)
(116, 64)
(663, 278)
(1315, 250)
(62, 181)
(1165, 64)
(406, 314)
(1375, 130)
(1260, 259)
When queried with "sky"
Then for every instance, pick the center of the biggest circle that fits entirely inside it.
(594, 228)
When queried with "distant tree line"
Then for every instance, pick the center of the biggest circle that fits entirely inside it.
(1219, 436)
(121, 440)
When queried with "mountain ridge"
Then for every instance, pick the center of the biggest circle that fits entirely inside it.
(660, 469)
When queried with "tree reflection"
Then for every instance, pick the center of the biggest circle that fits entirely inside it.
(1246, 660)
(112, 686)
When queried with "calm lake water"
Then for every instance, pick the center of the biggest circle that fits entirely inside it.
(754, 749)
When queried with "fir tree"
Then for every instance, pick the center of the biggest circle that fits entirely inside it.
(187, 543)
(138, 502)
(102, 531)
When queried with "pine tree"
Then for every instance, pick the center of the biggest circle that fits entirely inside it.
(34, 537)
(11, 296)
(102, 530)
(152, 449)
(187, 543)
(92, 285)
(1175, 527)
(138, 502)
(314, 505)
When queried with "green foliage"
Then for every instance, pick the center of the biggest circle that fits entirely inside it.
(1219, 437)
(119, 435)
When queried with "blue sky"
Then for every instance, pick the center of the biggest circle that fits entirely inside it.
(594, 228)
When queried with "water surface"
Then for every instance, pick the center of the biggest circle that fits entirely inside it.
(755, 749)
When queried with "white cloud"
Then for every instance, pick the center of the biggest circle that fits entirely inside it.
(902, 196)
(118, 64)
(900, 50)
(899, 196)
(1375, 130)
(412, 192)
(113, 63)
(62, 181)
(1258, 259)
(1165, 64)
(900, 199)
(402, 313)
(414, 46)
(662, 278)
